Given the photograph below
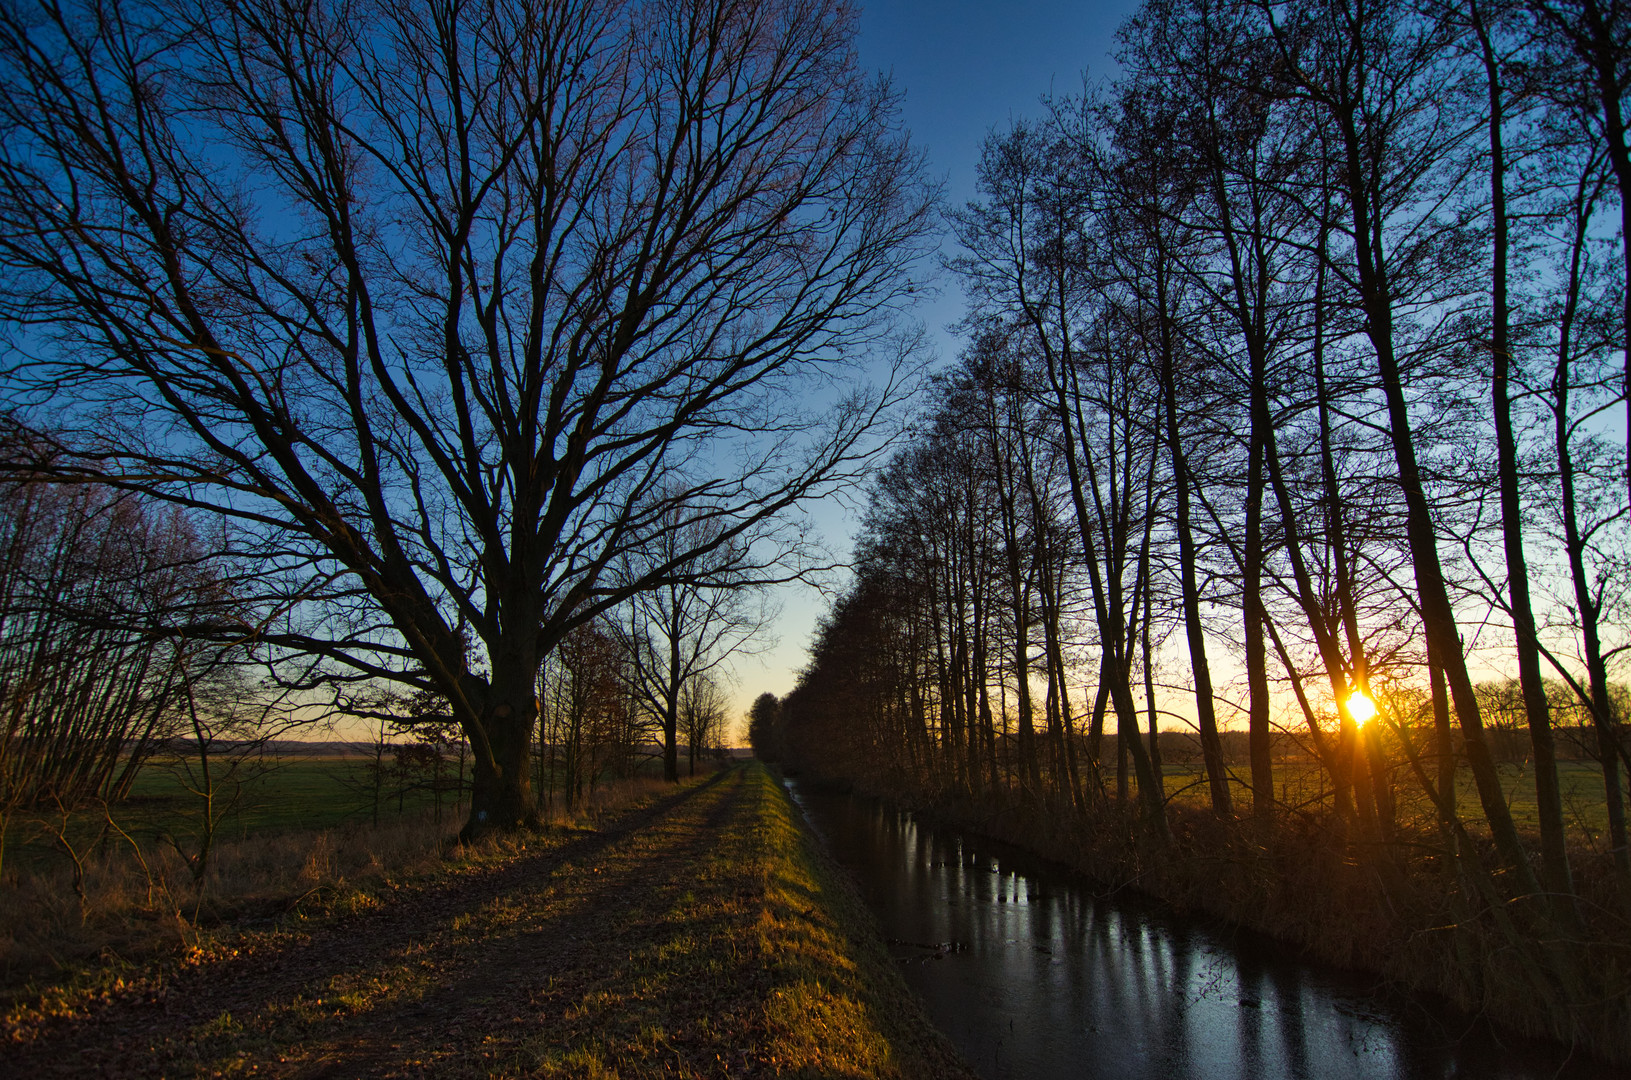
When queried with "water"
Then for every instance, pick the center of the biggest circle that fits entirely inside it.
(1033, 976)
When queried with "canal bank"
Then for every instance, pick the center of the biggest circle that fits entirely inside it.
(1034, 972)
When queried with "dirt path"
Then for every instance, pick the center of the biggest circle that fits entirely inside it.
(463, 978)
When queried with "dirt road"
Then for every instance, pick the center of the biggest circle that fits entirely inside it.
(683, 939)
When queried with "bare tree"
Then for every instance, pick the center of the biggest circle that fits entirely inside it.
(702, 712)
(430, 300)
(709, 610)
(1585, 514)
(588, 721)
(1589, 57)
(97, 592)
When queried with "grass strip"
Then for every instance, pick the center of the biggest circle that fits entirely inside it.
(763, 961)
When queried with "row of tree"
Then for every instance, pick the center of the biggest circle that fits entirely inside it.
(97, 592)
(597, 716)
(1297, 354)
(103, 598)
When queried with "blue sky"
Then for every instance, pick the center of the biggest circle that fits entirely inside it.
(967, 67)
(964, 68)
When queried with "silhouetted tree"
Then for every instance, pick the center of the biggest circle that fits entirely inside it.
(764, 727)
(442, 309)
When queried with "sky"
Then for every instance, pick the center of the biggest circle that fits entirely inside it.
(964, 69)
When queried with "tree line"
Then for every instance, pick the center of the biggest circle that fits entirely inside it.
(87, 695)
(1294, 384)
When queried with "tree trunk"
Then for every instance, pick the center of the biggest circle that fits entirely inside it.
(1095, 729)
(671, 697)
(1443, 742)
(1548, 797)
(1205, 704)
(1149, 697)
(1257, 680)
(501, 785)
(671, 740)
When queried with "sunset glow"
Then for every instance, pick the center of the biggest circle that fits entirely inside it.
(1360, 707)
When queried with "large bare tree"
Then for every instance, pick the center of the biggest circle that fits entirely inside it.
(445, 305)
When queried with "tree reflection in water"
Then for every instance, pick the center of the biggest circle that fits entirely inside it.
(1034, 976)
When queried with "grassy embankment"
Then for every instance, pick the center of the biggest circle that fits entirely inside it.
(697, 932)
(767, 943)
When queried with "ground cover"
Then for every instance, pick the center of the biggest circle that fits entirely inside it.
(700, 933)
(270, 795)
(1300, 782)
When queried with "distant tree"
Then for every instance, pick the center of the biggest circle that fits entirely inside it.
(712, 608)
(437, 742)
(764, 728)
(588, 720)
(702, 713)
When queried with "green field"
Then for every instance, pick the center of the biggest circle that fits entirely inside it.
(273, 795)
(1299, 782)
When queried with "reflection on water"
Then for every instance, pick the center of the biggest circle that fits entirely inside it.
(1031, 975)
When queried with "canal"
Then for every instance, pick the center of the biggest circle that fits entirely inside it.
(1034, 974)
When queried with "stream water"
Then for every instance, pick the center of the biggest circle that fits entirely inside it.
(1033, 975)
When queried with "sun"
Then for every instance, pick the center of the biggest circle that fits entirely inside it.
(1361, 707)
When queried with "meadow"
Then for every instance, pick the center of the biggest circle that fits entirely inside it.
(294, 836)
(268, 796)
(1300, 782)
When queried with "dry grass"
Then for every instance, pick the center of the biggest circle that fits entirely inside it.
(759, 959)
(117, 901)
(608, 797)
